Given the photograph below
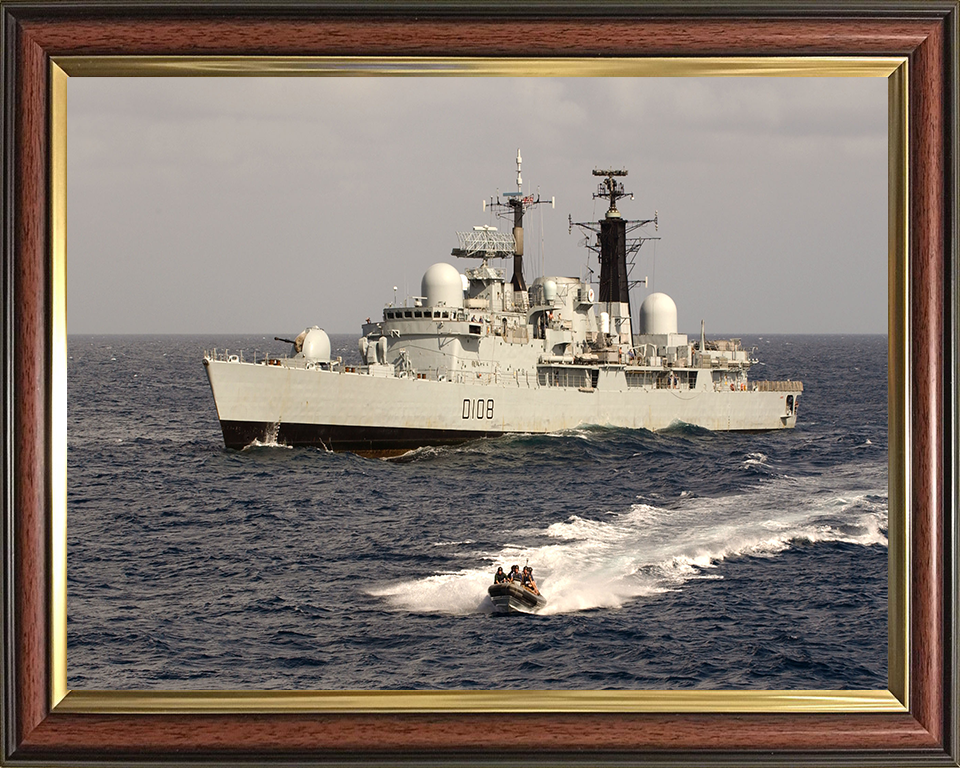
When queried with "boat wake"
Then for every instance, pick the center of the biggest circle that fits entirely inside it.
(584, 564)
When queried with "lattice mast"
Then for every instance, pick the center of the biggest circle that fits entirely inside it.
(516, 203)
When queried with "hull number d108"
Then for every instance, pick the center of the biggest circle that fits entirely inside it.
(478, 409)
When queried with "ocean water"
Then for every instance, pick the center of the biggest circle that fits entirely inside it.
(682, 559)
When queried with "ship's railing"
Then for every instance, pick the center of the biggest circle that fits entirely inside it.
(555, 376)
(481, 378)
(660, 379)
(226, 356)
(779, 386)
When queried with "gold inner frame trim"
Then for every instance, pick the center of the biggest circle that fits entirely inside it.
(386, 702)
(895, 69)
(415, 66)
(58, 388)
(898, 387)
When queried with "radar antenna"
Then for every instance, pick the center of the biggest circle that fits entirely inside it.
(610, 188)
(516, 203)
(485, 243)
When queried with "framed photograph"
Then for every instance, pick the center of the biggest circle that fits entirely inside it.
(422, 714)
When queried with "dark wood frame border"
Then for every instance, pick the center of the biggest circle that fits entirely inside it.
(925, 32)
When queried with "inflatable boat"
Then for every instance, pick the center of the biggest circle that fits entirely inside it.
(510, 597)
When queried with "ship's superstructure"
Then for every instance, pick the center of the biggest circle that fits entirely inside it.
(480, 355)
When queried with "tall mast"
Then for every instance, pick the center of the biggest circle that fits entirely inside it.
(518, 204)
(612, 244)
(613, 241)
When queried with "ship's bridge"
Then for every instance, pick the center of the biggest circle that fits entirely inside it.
(562, 314)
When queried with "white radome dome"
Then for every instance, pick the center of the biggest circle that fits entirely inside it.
(316, 345)
(658, 314)
(442, 286)
(549, 292)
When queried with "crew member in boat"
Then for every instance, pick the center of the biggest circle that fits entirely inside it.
(527, 580)
(499, 577)
(515, 575)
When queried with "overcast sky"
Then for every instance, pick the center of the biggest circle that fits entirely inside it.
(260, 205)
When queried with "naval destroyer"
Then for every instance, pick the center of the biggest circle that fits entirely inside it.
(478, 355)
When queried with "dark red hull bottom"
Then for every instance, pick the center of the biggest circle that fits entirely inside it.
(366, 441)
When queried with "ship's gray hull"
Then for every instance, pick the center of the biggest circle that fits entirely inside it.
(356, 411)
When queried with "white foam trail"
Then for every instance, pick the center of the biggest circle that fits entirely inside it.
(649, 549)
(461, 592)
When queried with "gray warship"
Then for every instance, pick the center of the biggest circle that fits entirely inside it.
(479, 356)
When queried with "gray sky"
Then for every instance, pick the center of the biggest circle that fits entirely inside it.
(261, 205)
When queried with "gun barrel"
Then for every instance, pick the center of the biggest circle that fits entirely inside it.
(289, 341)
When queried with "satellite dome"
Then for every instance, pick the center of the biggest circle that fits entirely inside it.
(316, 345)
(658, 314)
(442, 286)
(549, 292)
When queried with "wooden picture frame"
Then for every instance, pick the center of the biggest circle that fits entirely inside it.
(917, 722)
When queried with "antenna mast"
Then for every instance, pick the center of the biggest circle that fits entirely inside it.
(612, 244)
(517, 203)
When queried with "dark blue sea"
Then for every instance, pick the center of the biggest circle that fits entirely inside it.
(682, 559)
